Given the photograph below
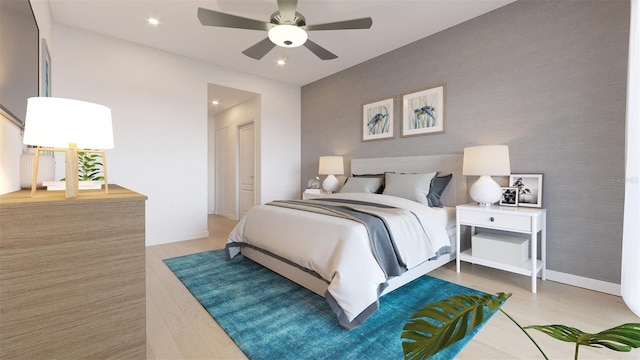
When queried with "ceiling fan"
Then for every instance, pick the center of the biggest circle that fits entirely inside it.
(286, 28)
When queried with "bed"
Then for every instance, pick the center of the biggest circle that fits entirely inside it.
(335, 256)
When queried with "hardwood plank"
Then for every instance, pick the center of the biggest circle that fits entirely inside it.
(554, 303)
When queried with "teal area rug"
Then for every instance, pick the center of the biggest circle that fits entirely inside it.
(271, 317)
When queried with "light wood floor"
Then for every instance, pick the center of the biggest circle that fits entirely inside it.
(179, 328)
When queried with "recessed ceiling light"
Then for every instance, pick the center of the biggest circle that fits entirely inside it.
(282, 60)
(153, 21)
(215, 102)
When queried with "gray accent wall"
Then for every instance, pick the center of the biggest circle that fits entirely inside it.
(547, 78)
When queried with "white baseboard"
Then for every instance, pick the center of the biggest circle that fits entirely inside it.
(185, 237)
(584, 282)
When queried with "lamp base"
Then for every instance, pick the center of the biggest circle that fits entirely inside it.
(330, 184)
(71, 172)
(485, 191)
(71, 169)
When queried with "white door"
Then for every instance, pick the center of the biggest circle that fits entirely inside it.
(224, 169)
(247, 168)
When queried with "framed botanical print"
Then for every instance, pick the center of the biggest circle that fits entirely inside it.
(509, 196)
(423, 111)
(529, 189)
(377, 120)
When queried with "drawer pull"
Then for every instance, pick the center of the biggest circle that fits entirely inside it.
(492, 219)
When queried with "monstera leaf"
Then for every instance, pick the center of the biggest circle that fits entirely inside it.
(620, 338)
(439, 325)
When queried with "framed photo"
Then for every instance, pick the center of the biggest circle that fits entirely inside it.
(529, 189)
(377, 120)
(46, 70)
(509, 196)
(423, 112)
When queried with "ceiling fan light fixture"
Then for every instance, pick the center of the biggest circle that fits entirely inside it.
(288, 36)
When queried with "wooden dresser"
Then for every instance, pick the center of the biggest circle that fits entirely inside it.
(72, 275)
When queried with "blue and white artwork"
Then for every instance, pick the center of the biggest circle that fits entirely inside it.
(377, 120)
(423, 112)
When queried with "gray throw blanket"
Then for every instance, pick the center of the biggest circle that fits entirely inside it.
(381, 239)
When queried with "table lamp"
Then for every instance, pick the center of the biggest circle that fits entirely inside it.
(486, 161)
(331, 166)
(57, 124)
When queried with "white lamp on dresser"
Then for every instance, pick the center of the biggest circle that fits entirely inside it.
(486, 161)
(331, 166)
(57, 124)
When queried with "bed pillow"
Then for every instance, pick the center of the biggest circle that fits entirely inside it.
(413, 187)
(380, 176)
(368, 185)
(438, 184)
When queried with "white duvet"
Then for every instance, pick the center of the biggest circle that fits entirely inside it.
(338, 249)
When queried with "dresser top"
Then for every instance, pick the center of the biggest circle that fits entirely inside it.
(24, 196)
(502, 209)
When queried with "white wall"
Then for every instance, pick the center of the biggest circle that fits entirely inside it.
(158, 102)
(10, 149)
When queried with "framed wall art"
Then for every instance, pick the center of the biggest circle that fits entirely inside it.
(46, 70)
(509, 196)
(423, 111)
(377, 120)
(529, 189)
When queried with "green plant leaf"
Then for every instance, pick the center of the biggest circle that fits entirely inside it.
(438, 325)
(620, 338)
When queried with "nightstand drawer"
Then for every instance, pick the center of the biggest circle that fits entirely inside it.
(497, 221)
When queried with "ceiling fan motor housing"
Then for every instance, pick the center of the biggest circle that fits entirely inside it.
(285, 33)
(298, 20)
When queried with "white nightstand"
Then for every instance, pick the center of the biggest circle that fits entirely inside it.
(514, 219)
(306, 195)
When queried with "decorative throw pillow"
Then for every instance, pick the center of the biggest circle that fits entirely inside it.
(413, 187)
(380, 176)
(438, 184)
(368, 185)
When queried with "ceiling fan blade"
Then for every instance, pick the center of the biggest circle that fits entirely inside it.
(364, 23)
(214, 18)
(320, 52)
(259, 50)
(287, 10)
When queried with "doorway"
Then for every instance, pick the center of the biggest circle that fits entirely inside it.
(233, 152)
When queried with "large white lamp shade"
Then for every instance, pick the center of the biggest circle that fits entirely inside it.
(331, 166)
(57, 124)
(486, 161)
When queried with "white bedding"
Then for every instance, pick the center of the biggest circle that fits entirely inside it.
(338, 249)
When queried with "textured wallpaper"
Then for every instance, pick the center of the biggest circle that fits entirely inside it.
(547, 78)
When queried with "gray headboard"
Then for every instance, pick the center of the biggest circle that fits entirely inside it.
(454, 194)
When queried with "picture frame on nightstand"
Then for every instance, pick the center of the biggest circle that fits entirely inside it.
(529, 189)
(509, 196)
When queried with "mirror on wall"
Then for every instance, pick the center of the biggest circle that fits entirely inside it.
(19, 59)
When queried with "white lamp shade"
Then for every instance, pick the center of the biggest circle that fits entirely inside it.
(492, 160)
(331, 165)
(57, 122)
(287, 35)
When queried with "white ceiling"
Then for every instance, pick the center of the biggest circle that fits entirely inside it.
(395, 23)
